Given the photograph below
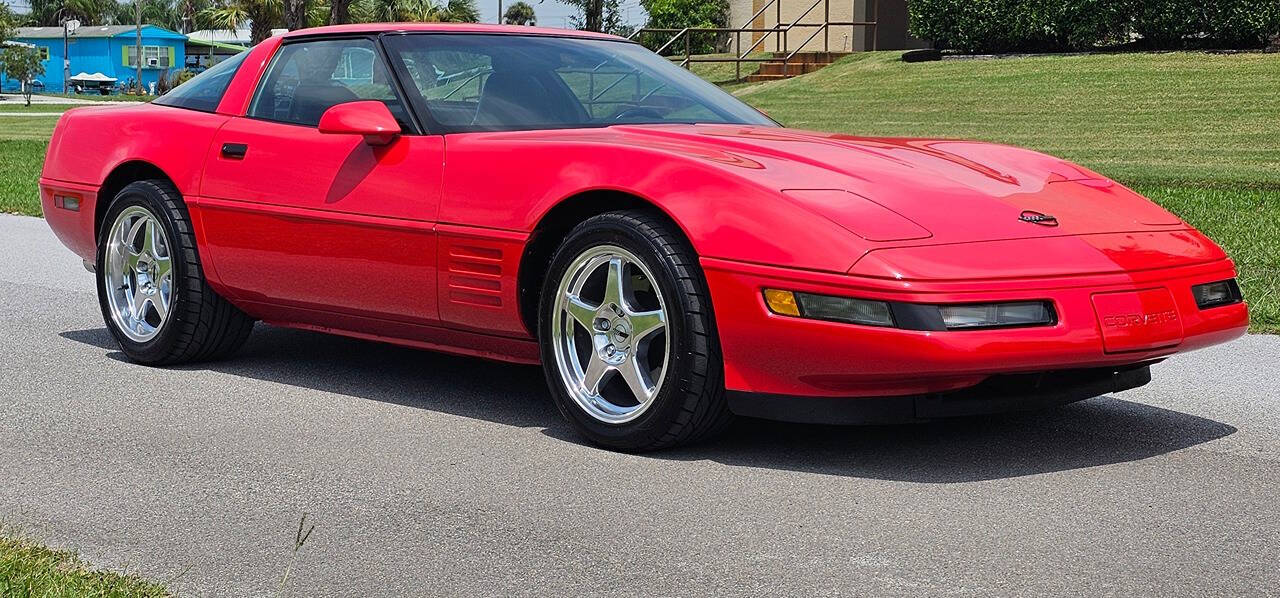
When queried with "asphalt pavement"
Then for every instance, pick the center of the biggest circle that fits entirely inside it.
(426, 474)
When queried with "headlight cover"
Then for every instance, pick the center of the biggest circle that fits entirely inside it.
(992, 315)
(910, 316)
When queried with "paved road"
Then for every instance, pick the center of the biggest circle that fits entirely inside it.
(427, 474)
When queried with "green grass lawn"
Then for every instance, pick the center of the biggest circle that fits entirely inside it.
(28, 569)
(1197, 133)
(19, 107)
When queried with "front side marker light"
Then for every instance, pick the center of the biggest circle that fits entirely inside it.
(66, 203)
(1213, 294)
(781, 302)
(826, 307)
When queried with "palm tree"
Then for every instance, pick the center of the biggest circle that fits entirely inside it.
(425, 11)
(520, 13)
(462, 11)
(51, 13)
(262, 16)
(154, 12)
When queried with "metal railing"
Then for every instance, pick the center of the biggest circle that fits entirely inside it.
(779, 31)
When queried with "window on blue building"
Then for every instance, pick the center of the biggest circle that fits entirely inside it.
(156, 57)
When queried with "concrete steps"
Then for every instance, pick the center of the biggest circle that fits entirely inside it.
(801, 63)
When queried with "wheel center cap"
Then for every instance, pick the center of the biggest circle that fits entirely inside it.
(621, 332)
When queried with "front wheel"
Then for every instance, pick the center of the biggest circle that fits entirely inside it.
(627, 335)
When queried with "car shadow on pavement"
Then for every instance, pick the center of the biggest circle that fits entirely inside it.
(1100, 431)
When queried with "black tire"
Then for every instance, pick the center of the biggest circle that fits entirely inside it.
(690, 403)
(202, 326)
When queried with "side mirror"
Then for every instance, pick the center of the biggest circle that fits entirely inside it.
(369, 118)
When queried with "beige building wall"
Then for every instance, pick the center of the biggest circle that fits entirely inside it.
(891, 16)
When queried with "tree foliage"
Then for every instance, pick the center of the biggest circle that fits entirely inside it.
(520, 13)
(679, 14)
(425, 11)
(598, 15)
(8, 21)
(21, 63)
(260, 15)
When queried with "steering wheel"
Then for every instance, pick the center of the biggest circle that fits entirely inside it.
(637, 111)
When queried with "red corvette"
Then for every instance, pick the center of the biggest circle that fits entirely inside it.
(669, 254)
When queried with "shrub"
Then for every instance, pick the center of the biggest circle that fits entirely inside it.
(168, 81)
(1056, 25)
(1086, 24)
(1241, 23)
(1166, 23)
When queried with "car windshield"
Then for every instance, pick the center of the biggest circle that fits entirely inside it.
(466, 82)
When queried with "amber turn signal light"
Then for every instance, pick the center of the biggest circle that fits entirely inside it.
(781, 302)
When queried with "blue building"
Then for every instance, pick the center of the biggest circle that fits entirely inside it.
(107, 49)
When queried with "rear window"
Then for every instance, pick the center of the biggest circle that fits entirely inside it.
(204, 91)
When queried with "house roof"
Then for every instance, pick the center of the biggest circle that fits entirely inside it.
(191, 41)
(226, 36)
(88, 31)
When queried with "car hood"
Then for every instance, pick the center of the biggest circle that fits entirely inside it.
(956, 191)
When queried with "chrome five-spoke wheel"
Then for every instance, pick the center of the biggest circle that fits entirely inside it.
(139, 274)
(609, 334)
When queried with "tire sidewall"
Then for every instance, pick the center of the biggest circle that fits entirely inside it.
(146, 196)
(669, 402)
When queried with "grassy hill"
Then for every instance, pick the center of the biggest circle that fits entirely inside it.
(1198, 133)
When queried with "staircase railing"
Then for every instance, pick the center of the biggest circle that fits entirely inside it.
(779, 31)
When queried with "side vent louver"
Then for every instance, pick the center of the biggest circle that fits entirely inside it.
(474, 275)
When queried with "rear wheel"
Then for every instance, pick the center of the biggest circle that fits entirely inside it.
(627, 335)
(151, 288)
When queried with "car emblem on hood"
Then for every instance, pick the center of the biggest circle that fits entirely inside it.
(1038, 218)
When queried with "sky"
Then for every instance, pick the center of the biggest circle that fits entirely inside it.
(550, 13)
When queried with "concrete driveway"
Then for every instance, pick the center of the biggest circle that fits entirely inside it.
(433, 475)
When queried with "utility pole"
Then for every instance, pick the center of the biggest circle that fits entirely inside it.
(138, 6)
(499, 12)
(69, 26)
(66, 57)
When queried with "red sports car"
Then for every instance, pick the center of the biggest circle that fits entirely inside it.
(670, 255)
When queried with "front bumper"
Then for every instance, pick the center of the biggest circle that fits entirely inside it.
(998, 394)
(770, 354)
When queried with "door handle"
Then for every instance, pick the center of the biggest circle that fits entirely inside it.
(234, 150)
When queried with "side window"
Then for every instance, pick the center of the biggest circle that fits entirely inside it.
(204, 91)
(307, 78)
(450, 82)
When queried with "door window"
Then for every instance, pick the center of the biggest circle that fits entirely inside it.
(307, 78)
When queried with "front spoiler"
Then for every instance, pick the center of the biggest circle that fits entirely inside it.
(997, 394)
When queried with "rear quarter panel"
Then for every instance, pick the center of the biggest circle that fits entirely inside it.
(88, 144)
(91, 142)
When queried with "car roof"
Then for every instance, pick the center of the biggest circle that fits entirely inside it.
(448, 28)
